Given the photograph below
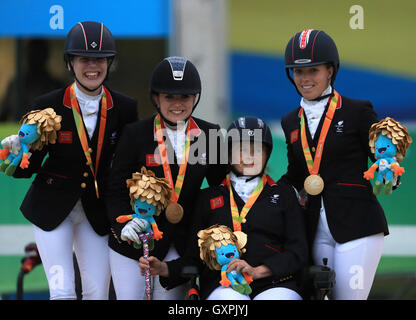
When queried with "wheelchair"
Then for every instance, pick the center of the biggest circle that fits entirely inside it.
(316, 281)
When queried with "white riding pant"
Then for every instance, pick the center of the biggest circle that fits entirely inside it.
(354, 262)
(56, 249)
(279, 293)
(129, 284)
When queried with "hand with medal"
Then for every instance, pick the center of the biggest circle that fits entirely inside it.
(388, 140)
(38, 128)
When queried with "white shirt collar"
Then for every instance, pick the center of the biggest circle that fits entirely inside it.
(314, 110)
(88, 104)
(244, 188)
(177, 138)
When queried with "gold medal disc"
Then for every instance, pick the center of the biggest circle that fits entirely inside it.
(314, 184)
(174, 212)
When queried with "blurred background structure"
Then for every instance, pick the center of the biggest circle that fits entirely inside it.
(238, 47)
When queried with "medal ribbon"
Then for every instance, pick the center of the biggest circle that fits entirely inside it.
(313, 164)
(176, 189)
(239, 218)
(83, 135)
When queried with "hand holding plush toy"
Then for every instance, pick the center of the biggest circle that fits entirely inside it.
(388, 141)
(38, 128)
(219, 245)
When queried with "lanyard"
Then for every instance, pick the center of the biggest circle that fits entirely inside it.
(313, 164)
(83, 136)
(159, 126)
(238, 218)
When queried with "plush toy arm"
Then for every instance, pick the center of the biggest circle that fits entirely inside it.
(369, 174)
(248, 278)
(124, 218)
(398, 171)
(24, 163)
(4, 153)
(157, 234)
(224, 280)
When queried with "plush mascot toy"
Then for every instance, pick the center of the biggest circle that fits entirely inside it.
(388, 141)
(38, 128)
(218, 246)
(149, 197)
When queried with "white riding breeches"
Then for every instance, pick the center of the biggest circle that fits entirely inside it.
(56, 248)
(354, 262)
(129, 284)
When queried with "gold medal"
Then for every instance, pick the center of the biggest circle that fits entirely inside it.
(174, 212)
(314, 184)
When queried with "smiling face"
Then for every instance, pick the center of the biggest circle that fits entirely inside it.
(312, 81)
(144, 209)
(248, 158)
(226, 253)
(175, 107)
(384, 147)
(90, 72)
(28, 133)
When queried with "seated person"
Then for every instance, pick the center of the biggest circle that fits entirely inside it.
(248, 200)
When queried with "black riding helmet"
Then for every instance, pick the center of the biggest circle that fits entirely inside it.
(311, 48)
(89, 39)
(175, 75)
(250, 129)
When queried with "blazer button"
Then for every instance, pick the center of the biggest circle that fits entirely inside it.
(85, 174)
(83, 185)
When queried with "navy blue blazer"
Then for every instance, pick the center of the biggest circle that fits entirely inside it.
(63, 176)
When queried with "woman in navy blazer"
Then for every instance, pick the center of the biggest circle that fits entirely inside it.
(346, 223)
(65, 202)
